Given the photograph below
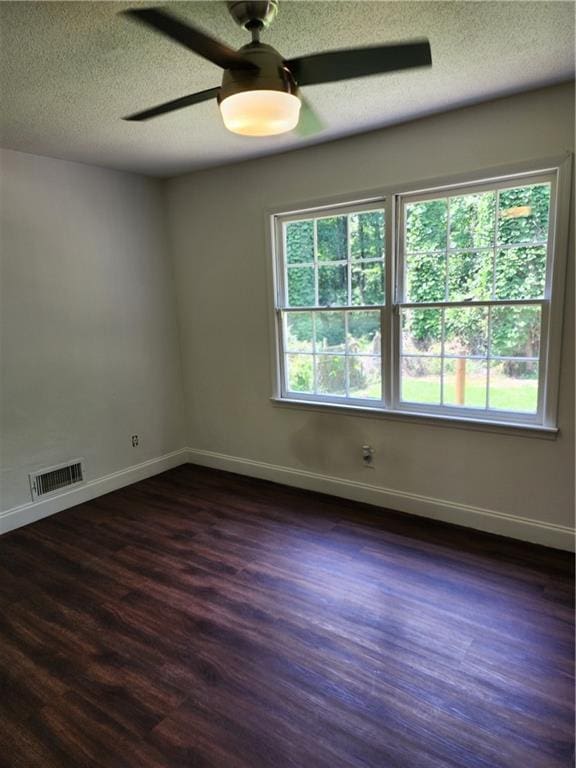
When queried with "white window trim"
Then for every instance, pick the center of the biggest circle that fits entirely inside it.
(388, 198)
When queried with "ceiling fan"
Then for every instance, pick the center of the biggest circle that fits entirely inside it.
(260, 92)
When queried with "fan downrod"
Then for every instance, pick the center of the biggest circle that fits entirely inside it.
(253, 14)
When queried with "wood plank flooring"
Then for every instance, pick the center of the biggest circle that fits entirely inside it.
(201, 619)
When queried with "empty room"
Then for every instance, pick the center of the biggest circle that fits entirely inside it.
(287, 357)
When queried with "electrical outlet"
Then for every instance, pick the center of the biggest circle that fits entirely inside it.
(135, 441)
(368, 456)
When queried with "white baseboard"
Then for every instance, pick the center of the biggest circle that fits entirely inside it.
(36, 510)
(489, 520)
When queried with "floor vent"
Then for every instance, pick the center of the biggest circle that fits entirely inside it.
(53, 479)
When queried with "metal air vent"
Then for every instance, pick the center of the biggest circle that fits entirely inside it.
(49, 481)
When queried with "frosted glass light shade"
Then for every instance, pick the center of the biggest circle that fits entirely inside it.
(260, 113)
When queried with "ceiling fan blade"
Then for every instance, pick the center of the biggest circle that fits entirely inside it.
(359, 62)
(171, 106)
(309, 122)
(190, 37)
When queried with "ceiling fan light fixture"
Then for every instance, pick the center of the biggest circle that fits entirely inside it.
(260, 95)
(260, 112)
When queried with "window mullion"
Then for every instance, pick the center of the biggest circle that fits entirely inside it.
(543, 361)
(496, 215)
(387, 367)
(447, 248)
(316, 297)
(314, 356)
(346, 355)
(349, 262)
(281, 293)
(442, 346)
(281, 372)
(443, 311)
(349, 295)
(488, 357)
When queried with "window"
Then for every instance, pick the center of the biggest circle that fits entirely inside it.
(473, 297)
(435, 302)
(333, 289)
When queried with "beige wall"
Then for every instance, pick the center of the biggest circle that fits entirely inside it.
(217, 221)
(89, 336)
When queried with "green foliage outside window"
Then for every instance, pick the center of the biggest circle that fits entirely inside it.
(519, 272)
(342, 243)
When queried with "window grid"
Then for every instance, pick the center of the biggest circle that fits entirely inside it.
(315, 353)
(489, 357)
(347, 263)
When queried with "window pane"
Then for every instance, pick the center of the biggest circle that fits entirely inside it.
(301, 287)
(466, 331)
(364, 376)
(331, 374)
(300, 242)
(367, 235)
(332, 238)
(465, 382)
(420, 379)
(523, 214)
(520, 273)
(364, 333)
(330, 332)
(426, 226)
(421, 331)
(472, 220)
(368, 283)
(332, 286)
(515, 331)
(425, 277)
(470, 276)
(513, 386)
(300, 370)
(299, 327)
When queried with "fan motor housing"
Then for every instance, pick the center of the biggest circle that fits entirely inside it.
(252, 14)
(271, 75)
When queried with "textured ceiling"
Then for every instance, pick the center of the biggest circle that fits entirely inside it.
(70, 70)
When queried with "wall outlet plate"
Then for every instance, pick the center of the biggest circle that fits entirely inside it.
(368, 456)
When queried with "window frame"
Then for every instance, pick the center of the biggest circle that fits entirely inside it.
(544, 302)
(390, 199)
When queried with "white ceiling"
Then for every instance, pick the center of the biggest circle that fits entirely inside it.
(70, 70)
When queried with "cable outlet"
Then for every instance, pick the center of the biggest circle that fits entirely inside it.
(368, 456)
(135, 441)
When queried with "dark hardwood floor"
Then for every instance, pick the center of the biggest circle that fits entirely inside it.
(204, 620)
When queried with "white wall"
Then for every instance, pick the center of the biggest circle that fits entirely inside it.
(217, 219)
(90, 350)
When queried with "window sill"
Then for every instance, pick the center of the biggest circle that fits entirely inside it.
(436, 420)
